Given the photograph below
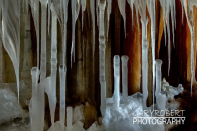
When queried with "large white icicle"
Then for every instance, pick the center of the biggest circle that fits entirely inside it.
(11, 33)
(116, 81)
(109, 6)
(144, 21)
(83, 4)
(92, 9)
(35, 112)
(102, 47)
(125, 75)
(62, 76)
(122, 7)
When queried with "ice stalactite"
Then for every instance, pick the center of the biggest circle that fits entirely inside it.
(92, 9)
(122, 7)
(25, 6)
(62, 76)
(75, 13)
(131, 2)
(49, 15)
(151, 9)
(144, 21)
(83, 4)
(35, 13)
(136, 3)
(116, 81)
(102, 47)
(11, 33)
(190, 20)
(34, 106)
(125, 75)
(172, 6)
(109, 8)
(97, 11)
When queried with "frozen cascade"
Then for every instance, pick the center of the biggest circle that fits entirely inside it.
(62, 76)
(125, 75)
(102, 47)
(11, 33)
(92, 9)
(144, 21)
(116, 81)
(122, 6)
(83, 4)
(109, 8)
(151, 9)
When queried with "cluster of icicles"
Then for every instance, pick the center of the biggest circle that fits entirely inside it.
(10, 33)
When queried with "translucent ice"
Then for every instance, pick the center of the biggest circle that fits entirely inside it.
(125, 75)
(11, 33)
(116, 81)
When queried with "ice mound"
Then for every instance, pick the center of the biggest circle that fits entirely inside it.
(121, 118)
(78, 113)
(9, 108)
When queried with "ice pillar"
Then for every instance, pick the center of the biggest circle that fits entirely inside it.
(125, 75)
(116, 81)
(102, 54)
(144, 62)
(62, 74)
(158, 63)
(69, 117)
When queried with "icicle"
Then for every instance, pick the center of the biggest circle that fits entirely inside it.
(97, 11)
(136, 10)
(83, 4)
(62, 76)
(122, 6)
(92, 9)
(73, 28)
(172, 18)
(11, 33)
(108, 14)
(102, 47)
(49, 15)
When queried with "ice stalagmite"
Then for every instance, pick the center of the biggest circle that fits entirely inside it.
(109, 8)
(144, 21)
(69, 118)
(11, 33)
(83, 4)
(34, 101)
(116, 81)
(92, 9)
(151, 9)
(160, 96)
(122, 7)
(125, 75)
(62, 74)
(102, 47)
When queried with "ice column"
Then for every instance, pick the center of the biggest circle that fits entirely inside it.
(158, 63)
(35, 125)
(62, 74)
(116, 81)
(43, 58)
(69, 117)
(125, 75)
(102, 54)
